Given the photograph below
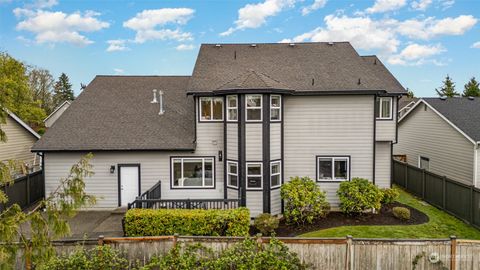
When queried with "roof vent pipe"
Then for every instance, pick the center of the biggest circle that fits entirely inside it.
(218, 45)
(359, 81)
(154, 96)
(162, 111)
(443, 98)
(330, 43)
(291, 44)
(471, 98)
(253, 45)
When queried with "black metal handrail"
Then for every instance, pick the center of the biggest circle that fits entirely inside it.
(155, 192)
(185, 203)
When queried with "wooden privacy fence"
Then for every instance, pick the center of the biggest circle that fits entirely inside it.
(458, 199)
(25, 190)
(320, 253)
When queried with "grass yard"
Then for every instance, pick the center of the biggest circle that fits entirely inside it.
(440, 225)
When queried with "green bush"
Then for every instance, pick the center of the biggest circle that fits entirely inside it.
(304, 201)
(359, 195)
(266, 223)
(402, 213)
(211, 222)
(389, 195)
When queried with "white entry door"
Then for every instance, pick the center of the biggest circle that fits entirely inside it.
(129, 182)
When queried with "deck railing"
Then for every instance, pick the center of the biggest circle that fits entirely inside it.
(185, 203)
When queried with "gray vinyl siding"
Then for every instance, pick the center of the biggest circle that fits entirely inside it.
(232, 141)
(255, 202)
(276, 202)
(383, 164)
(253, 148)
(386, 129)
(477, 184)
(425, 133)
(328, 125)
(275, 141)
(18, 145)
(232, 193)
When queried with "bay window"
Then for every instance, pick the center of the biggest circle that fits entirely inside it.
(254, 176)
(211, 108)
(193, 172)
(333, 168)
(253, 107)
(232, 174)
(383, 108)
(275, 107)
(232, 108)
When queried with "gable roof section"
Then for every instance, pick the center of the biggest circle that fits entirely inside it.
(23, 124)
(461, 113)
(115, 113)
(302, 67)
(56, 109)
(252, 80)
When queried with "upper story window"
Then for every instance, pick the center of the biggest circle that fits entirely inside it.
(253, 107)
(193, 172)
(333, 168)
(275, 107)
(275, 174)
(232, 108)
(211, 109)
(384, 108)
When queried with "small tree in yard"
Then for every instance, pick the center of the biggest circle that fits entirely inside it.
(304, 201)
(46, 225)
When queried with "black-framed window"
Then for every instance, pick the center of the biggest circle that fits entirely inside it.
(424, 163)
(384, 108)
(275, 108)
(275, 174)
(193, 172)
(232, 174)
(253, 107)
(211, 108)
(254, 175)
(232, 108)
(333, 168)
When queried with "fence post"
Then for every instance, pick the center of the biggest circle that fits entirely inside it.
(174, 240)
(28, 189)
(349, 254)
(444, 191)
(406, 176)
(453, 252)
(471, 204)
(423, 184)
(101, 240)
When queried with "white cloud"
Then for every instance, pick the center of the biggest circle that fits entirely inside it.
(255, 15)
(185, 47)
(386, 5)
(44, 4)
(118, 71)
(317, 4)
(446, 4)
(416, 54)
(53, 27)
(431, 27)
(476, 45)
(116, 45)
(149, 24)
(421, 5)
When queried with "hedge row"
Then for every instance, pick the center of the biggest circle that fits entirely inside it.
(211, 222)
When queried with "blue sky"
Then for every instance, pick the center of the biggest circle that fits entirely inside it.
(419, 40)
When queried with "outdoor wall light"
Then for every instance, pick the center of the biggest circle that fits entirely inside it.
(220, 155)
(112, 169)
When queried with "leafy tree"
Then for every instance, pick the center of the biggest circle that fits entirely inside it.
(448, 88)
(410, 93)
(472, 88)
(62, 90)
(46, 221)
(41, 84)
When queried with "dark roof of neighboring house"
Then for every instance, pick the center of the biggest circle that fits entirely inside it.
(115, 113)
(462, 112)
(302, 67)
(404, 101)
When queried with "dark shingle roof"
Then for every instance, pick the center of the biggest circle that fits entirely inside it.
(462, 112)
(404, 101)
(115, 113)
(317, 66)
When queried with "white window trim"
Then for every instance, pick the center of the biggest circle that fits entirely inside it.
(254, 175)
(211, 109)
(420, 160)
(381, 100)
(253, 108)
(275, 108)
(229, 173)
(182, 176)
(333, 179)
(230, 108)
(279, 162)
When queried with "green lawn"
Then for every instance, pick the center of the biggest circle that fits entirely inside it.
(440, 225)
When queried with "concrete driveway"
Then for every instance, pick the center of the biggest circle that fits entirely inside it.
(91, 224)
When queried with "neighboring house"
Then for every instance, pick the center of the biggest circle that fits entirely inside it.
(250, 117)
(442, 135)
(20, 139)
(405, 103)
(56, 114)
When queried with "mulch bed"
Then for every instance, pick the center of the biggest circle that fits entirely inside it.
(337, 219)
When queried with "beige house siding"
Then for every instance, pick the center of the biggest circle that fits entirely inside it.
(276, 202)
(275, 141)
(18, 145)
(386, 129)
(253, 140)
(477, 184)
(52, 118)
(424, 133)
(383, 164)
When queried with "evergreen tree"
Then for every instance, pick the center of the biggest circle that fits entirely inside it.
(448, 88)
(472, 88)
(62, 90)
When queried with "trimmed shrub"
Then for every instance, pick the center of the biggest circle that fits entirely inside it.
(266, 223)
(402, 213)
(359, 195)
(304, 201)
(390, 195)
(211, 222)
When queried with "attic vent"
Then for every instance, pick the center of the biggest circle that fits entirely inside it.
(443, 98)
(291, 44)
(330, 43)
(253, 45)
(471, 98)
(162, 110)
(154, 100)
(218, 45)
(359, 81)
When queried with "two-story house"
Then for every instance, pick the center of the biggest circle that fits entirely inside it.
(249, 117)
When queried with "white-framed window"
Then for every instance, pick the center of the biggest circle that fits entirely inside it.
(193, 172)
(384, 108)
(275, 108)
(253, 107)
(275, 174)
(232, 174)
(424, 163)
(254, 175)
(333, 168)
(211, 108)
(232, 108)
